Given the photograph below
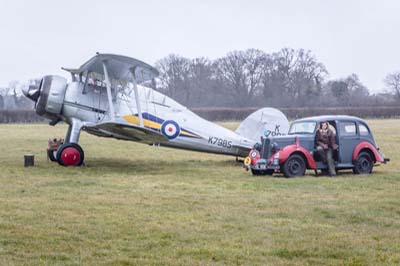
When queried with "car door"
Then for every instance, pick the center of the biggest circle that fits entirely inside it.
(348, 139)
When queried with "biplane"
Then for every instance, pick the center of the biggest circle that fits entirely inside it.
(105, 98)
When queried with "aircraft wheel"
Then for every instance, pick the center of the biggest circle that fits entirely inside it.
(52, 155)
(364, 164)
(294, 166)
(70, 154)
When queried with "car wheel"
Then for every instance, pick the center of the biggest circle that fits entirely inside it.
(70, 154)
(52, 155)
(364, 164)
(294, 166)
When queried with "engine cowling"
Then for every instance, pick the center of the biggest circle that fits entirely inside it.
(52, 92)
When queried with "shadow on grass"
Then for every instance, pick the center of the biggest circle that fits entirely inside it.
(153, 166)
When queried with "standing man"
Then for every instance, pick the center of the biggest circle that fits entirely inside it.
(325, 143)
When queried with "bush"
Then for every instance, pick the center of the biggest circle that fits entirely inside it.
(223, 114)
(20, 116)
(238, 114)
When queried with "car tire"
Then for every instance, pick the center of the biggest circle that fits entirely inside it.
(363, 164)
(52, 155)
(294, 166)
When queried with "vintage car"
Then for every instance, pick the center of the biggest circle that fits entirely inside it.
(294, 153)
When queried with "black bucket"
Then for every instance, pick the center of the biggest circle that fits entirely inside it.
(29, 160)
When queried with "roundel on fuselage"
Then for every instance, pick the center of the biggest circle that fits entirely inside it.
(170, 129)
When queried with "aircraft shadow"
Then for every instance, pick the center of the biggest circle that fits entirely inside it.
(154, 167)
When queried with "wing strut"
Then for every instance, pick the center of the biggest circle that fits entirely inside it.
(135, 89)
(109, 96)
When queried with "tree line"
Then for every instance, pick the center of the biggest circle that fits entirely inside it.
(287, 78)
(252, 78)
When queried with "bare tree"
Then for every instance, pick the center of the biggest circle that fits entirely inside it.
(240, 73)
(347, 91)
(174, 76)
(392, 83)
(339, 91)
(204, 92)
(293, 77)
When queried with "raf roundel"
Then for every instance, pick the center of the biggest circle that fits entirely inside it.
(170, 129)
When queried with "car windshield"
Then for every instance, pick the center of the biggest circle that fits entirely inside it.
(302, 128)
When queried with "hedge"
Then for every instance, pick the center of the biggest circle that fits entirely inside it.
(20, 116)
(238, 114)
(223, 114)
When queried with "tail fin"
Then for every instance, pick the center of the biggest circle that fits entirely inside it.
(265, 122)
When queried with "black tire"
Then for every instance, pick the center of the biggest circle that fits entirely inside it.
(64, 160)
(52, 155)
(364, 164)
(294, 166)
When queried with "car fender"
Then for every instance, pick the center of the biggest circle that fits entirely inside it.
(290, 149)
(366, 145)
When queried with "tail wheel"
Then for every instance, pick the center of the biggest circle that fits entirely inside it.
(52, 155)
(294, 166)
(364, 164)
(70, 154)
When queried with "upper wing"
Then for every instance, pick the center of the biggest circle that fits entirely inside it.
(118, 67)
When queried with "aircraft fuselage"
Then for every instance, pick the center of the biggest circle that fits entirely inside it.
(180, 127)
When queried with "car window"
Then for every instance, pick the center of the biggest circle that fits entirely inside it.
(348, 128)
(363, 130)
(302, 127)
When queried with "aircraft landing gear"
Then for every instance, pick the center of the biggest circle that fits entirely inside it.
(70, 154)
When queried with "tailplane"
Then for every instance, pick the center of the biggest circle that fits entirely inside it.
(265, 122)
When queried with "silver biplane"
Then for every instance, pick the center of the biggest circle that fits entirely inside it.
(104, 99)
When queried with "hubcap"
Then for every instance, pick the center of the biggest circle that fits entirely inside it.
(364, 165)
(70, 156)
(294, 166)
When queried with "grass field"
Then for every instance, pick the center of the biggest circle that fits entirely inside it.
(139, 205)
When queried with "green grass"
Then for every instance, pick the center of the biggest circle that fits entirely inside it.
(139, 205)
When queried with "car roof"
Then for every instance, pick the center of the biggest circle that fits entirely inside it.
(322, 118)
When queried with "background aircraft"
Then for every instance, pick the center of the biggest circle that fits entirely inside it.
(104, 99)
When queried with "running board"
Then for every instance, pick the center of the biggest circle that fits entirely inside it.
(321, 165)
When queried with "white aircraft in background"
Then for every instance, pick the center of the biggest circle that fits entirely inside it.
(104, 99)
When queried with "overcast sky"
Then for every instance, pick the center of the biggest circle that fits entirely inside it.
(38, 37)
